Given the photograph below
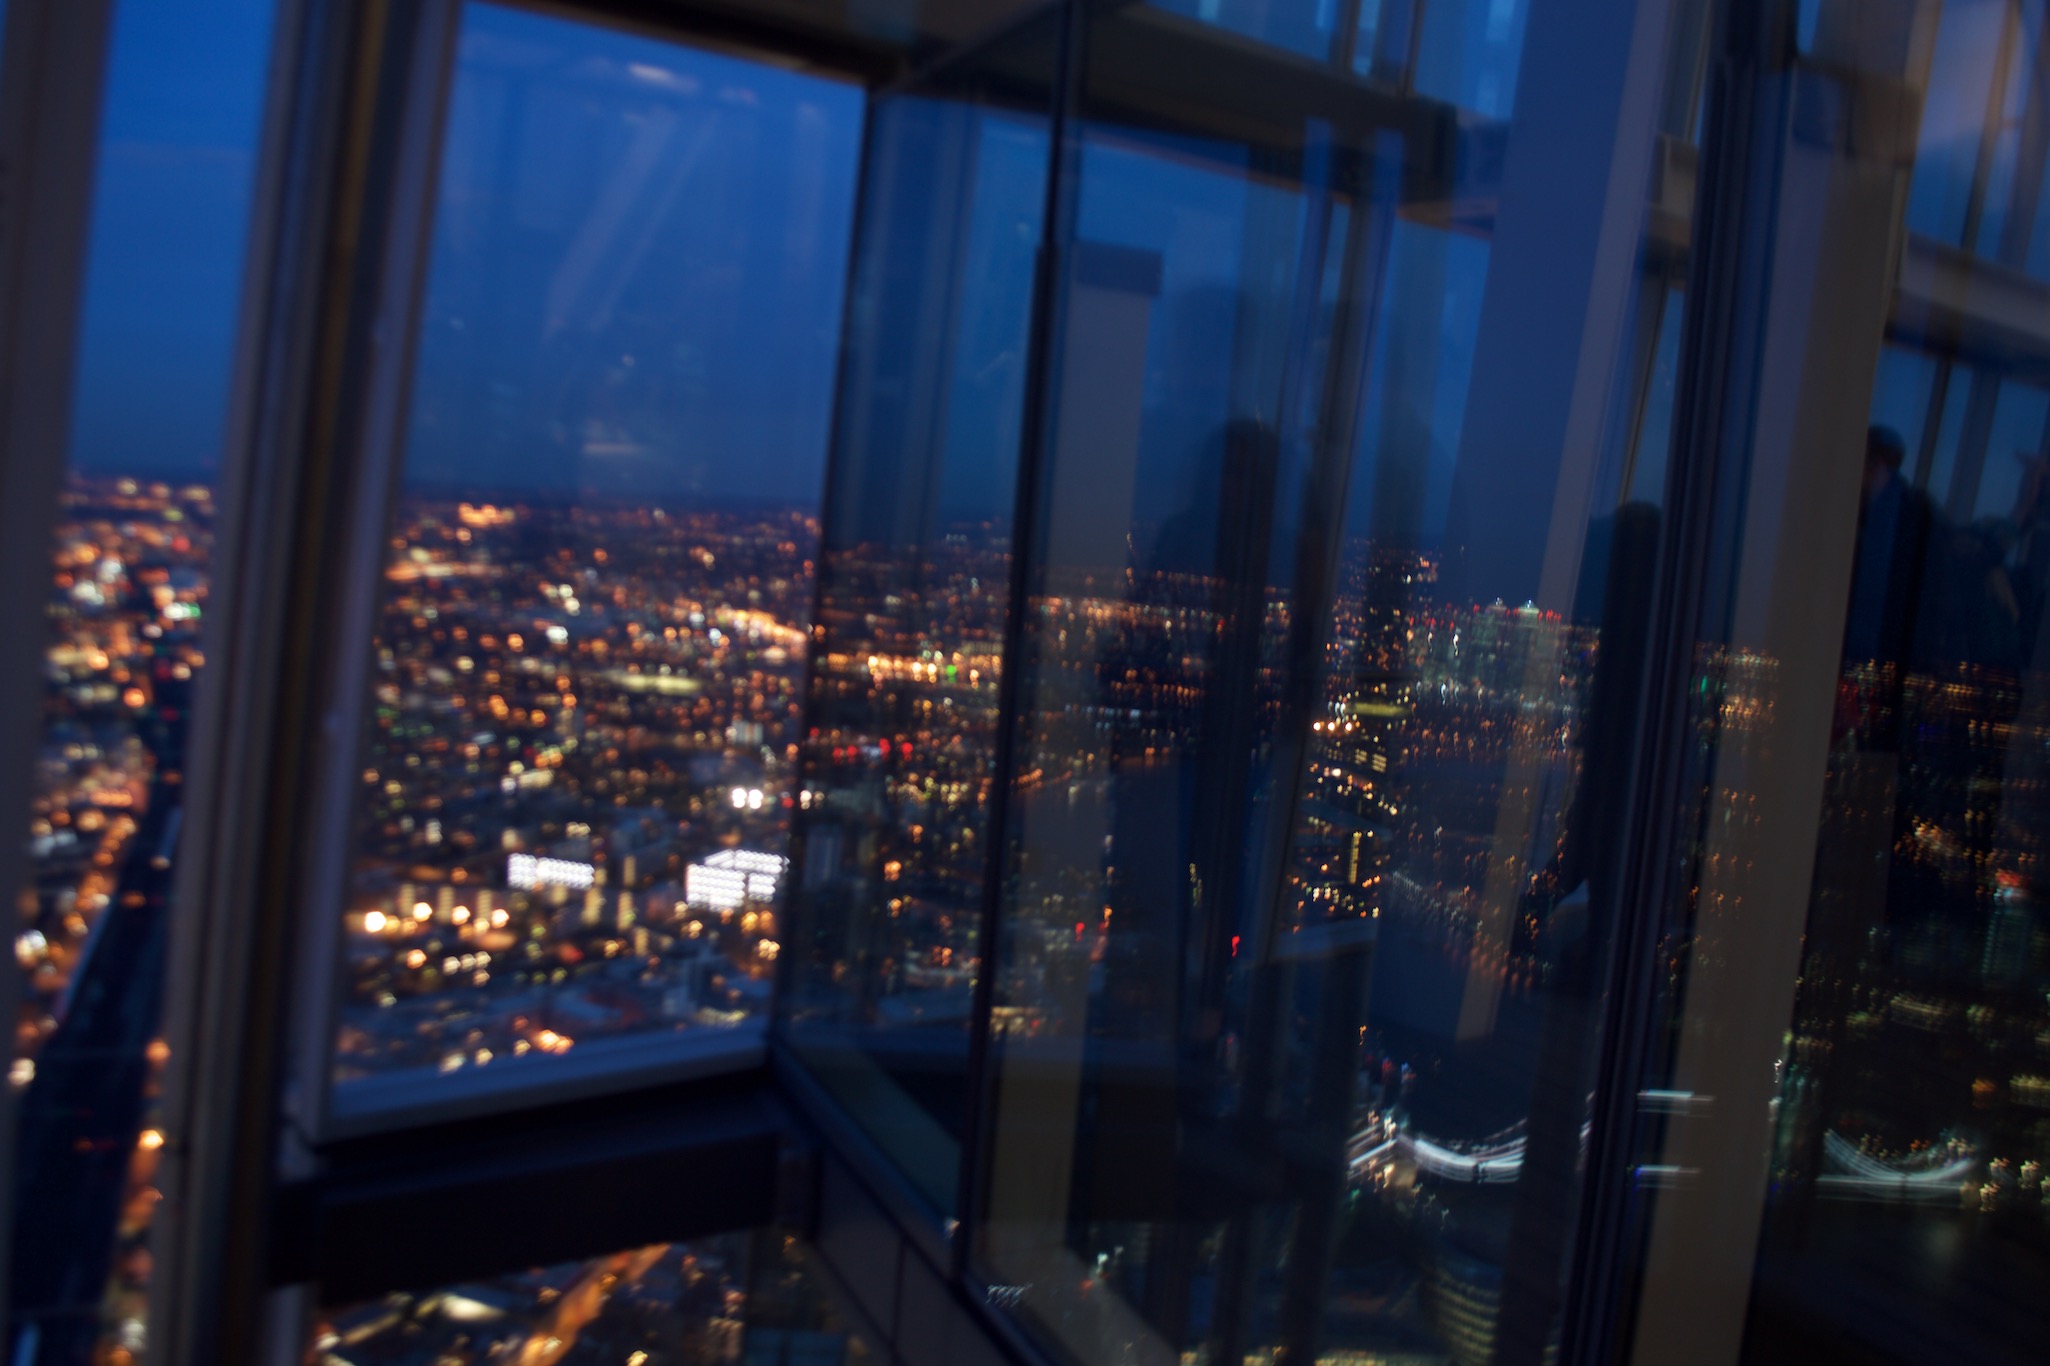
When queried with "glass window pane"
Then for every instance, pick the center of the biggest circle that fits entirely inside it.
(1943, 455)
(2014, 450)
(1302, 26)
(2011, 201)
(1953, 126)
(1302, 889)
(1842, 1135)
(131, 561)
(1655, 426)
(900, 750)
(576, 787)
(1470, 53)
(1900, 395)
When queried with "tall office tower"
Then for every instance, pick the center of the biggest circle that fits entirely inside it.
(1351, 801)
(1231, 718)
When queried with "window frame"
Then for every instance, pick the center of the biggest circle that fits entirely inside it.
(389, 287)
(336, 270)
(347, 168)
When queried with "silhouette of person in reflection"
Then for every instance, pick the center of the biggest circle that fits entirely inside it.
(2012, 555)
(1928, 595)
(2028, 525)
(1897, 562)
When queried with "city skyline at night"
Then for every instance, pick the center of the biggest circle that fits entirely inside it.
(1238, 683)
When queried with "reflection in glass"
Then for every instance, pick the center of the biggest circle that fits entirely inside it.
(1900, 400)
(1304, 29)
(1469, 53)
(709, 1302)
(1969, 43)
(2013, 452)
(575, 792)
(900, 751)
(1846, 1159)
(1335, 598)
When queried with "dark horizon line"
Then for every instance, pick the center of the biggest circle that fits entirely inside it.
(565, 499)
(473, 492)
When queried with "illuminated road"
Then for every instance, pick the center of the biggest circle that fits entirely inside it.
(1493, 1161)
(554, 1337)
(1924, 1176)
(81, 1115)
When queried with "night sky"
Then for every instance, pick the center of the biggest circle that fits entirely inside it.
(640, 252)
(184, 93)
(640, 259)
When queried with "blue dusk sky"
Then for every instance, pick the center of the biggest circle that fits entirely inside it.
(639, 261)
(638, 258)
(170, 216)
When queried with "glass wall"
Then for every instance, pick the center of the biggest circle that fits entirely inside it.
(1363, 681)
(1499, 827)
(1853, 966)
(1334, 620)
(576, 781)
(902, 738)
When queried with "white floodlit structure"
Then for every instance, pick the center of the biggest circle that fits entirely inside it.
(528, 872)
(731, 878)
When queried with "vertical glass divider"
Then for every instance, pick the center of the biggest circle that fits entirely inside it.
(52, 69)
(1594, 1323)
(378, 452)
(343, 137)
(1049, 287)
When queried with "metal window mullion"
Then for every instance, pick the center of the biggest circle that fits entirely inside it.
(1970, 461)
(268, 355)
(414, 76)
(1740, 122)
(295, 484)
